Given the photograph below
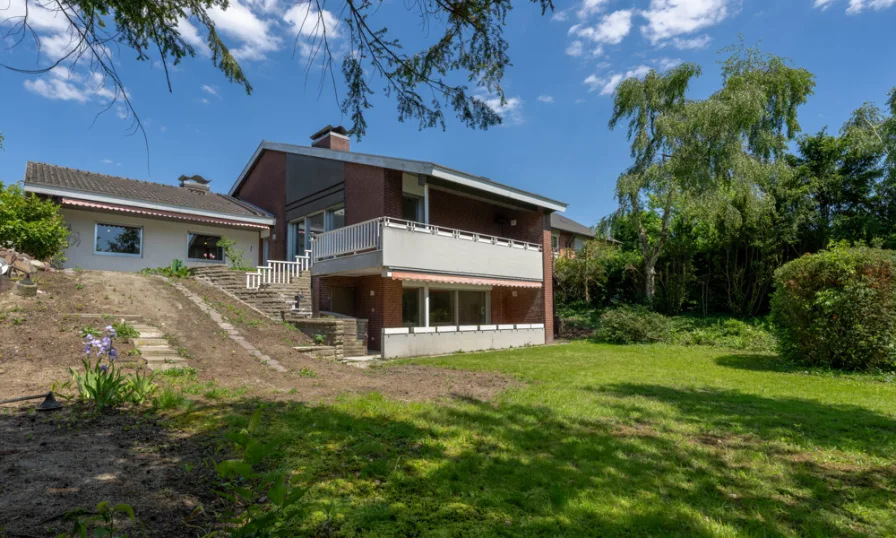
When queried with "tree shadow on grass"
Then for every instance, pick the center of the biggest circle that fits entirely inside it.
(756, 363)
(379, 468)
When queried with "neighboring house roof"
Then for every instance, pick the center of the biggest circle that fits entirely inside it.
(559, 222)
(405, 165)
(71, 183)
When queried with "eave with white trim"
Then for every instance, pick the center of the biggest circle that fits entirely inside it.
(61, 192)
(404, 165)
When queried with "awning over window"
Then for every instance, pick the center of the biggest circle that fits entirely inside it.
(71, 202)
(452, 279)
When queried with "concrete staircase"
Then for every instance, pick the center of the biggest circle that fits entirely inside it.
(277, 301)
(155, 350)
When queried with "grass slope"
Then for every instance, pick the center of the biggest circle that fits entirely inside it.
(603, 441)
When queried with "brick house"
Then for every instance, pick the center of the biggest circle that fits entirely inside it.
(567, 235)
(437, 260)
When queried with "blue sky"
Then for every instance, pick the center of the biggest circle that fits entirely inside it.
(555, 140)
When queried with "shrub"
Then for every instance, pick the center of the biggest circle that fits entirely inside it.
(177, 269)
(235, 256)
(837, 308)
(727, 333)
(30, 224)
(123, 329)
(632, 325)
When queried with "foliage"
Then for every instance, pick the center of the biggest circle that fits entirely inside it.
(685, 149)
(30, 224)
(177, 269)
(235, 256)
(90, 330)
(103, 384)
(260, 504)
(583, 273)
(123, 329)
(98, 524)
(320, 339)
(726, 333)
(463, 43)
(632, 325)
(837, 308)
(169, 398)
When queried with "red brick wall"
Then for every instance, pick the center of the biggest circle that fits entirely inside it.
(526, 307)
(365, 190)
(382, 309)
(265, 187)
(332, 142)
(454, 211)
(393, 194)
(547, 290)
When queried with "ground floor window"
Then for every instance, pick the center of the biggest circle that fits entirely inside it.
(118, 240)
(204, 248)
(411, 304)
(446, 307)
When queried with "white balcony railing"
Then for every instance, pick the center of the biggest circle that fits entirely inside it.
(277, 272)
(368, 236)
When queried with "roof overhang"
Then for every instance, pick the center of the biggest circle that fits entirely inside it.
(76, 195)
(116, 208)
(466, 280)
(404, 165)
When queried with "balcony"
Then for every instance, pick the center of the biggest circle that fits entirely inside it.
(386, 244)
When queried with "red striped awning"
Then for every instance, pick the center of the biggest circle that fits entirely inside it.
(71, 202)
(453, 279)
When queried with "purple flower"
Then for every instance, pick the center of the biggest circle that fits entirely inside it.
(104, 368)
(113, 354)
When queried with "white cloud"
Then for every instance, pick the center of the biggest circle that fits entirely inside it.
(203, 100)
(546, 98)
(857, 6)
(106, 161)
(190, 34)
(611, 30)
(698, 42)
(667, 19)
(210, 89)
(607, 85)
(576, 48)
(511, 111)
(666, 64)
(560, 16)
(590, 7)
(307, 21)
(823, 4)
(122, 112)
(239, 22)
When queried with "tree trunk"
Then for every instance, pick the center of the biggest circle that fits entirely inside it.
(649, 280)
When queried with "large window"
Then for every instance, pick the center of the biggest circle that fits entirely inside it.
(411, 307)
(204, 248)
(117, 240)
(471, 307)
(441, 307)
(309, 226)
(412, 208)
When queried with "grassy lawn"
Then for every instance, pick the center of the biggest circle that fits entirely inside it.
(601, 440)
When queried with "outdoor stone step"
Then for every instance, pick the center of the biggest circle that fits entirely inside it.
(156, 351)
(166, 365)
(141, 341)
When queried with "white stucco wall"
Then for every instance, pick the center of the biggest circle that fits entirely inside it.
(163, 241)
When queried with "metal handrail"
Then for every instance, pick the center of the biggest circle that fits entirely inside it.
(367, 236)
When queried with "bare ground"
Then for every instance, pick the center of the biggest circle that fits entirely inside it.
(52, 463)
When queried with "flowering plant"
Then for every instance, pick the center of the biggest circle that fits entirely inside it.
(101, 383)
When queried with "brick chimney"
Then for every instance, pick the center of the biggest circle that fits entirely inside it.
(331, 138)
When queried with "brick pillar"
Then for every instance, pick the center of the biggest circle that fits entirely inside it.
(548, 283)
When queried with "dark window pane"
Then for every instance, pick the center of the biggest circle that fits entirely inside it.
(118, 239)
(338, 216)
(471, 307)
(204, 247)
(299, 234)
(410, 308)
(410, 208)
(441, 307)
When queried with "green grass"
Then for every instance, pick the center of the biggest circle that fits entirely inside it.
(600, 440)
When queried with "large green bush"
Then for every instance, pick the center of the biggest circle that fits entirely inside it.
(632, 325)
(837, 308)
(31, 225)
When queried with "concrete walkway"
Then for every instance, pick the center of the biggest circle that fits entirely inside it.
(231, 330)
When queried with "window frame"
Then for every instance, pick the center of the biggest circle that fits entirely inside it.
(96, 229)
(421, 210)
(223, 259)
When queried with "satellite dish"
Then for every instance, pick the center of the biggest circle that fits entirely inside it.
(4, 267)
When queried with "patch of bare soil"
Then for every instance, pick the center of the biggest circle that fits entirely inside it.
(331, 379)
(55, 462)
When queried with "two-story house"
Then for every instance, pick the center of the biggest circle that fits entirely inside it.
(437, 260)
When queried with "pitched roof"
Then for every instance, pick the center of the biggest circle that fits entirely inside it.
(81, 181)
(405, 165)
(559, 222)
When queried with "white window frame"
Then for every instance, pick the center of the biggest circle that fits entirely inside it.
(223, 259)
(555, 238)
(96, 229)
(454, 288)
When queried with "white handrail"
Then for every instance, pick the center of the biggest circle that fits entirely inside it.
(277, 272)
(367, 236)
